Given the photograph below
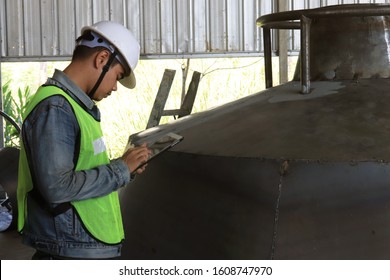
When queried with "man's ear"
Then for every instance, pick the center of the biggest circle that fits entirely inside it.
(101, 58)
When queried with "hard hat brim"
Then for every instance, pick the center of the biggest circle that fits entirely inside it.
(129, 81)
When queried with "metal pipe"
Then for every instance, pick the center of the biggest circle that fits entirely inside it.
(284, 25)
(331, 11)
(267, 57)
(8, 118)
(305, 54)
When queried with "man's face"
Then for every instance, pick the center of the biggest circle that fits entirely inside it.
(110, 82)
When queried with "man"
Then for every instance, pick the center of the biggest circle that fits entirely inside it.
(68, 205)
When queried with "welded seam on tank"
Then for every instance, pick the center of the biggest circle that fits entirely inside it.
(387, 38)
(276, 219)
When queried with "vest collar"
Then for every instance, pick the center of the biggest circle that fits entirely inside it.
(62, 81)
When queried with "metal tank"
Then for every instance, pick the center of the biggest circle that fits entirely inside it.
(298, 171)
(9, 158)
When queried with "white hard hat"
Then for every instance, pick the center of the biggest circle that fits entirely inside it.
(123, 41)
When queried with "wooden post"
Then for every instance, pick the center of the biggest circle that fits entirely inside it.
(161, 98)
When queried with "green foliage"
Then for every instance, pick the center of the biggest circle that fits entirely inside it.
(14, 105)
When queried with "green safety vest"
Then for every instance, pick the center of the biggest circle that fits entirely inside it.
(101, 216)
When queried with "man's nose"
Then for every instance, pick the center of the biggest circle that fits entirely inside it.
(115, 87)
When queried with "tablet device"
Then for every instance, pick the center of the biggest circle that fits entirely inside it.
(161, 145)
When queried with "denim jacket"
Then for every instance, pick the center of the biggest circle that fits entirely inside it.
(51, 136)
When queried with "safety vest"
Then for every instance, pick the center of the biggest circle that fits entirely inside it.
(101, 216)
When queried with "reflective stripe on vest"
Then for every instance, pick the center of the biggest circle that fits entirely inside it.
(101, 216)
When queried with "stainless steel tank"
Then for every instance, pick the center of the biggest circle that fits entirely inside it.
(280, 174)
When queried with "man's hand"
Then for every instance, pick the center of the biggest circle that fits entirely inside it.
(133, 157)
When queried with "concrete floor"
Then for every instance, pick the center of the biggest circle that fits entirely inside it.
(11, 247)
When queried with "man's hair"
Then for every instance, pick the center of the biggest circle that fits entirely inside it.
(82, 52)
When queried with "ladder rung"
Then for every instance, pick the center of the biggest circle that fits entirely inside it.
(174, 112)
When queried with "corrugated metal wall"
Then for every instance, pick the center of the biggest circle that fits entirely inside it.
(46, 29)
(294, 37)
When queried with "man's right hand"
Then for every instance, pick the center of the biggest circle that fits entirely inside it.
(133, 157)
